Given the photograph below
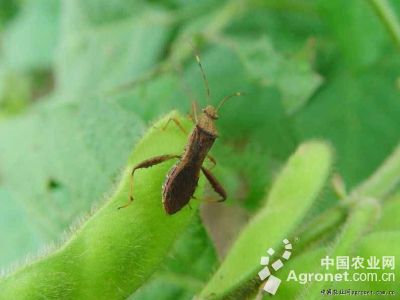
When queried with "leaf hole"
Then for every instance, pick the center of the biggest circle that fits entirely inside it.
(53, 184)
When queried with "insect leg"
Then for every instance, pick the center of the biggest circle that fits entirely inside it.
(215, 184)
(212, 159)
(146, 164)
(177, 123)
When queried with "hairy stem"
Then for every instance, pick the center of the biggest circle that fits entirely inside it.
(388, 18)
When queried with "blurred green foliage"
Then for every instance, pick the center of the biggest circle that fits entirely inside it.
(81, 80)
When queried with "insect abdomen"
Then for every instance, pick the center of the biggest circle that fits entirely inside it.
(182, 180)
(179, 187)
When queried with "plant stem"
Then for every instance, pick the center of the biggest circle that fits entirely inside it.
(321, 226)
(384, 180)
(388, 17)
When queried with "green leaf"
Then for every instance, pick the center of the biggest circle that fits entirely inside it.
(8, 9)
(29, 41)
(59, 160)
(97, 57)
(356, 112)
(348, 22)
(290, 198)
(22, 239)
(384, 180)
(114, 251)
(15, 90)
(292, 75)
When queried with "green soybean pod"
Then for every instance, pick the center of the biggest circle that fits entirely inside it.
(114, 251)
(290, 198)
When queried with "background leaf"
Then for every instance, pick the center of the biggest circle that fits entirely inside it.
(63, 149)
(100, 50)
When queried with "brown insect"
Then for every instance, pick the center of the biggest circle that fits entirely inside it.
(183, 178)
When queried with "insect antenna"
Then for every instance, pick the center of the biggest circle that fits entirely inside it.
(237, 94)
(203, 74)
